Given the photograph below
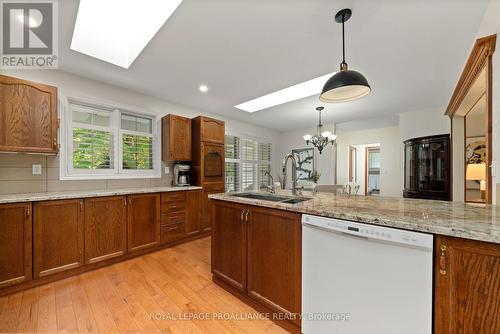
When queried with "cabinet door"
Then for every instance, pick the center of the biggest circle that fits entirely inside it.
(193, 212)
(467, 287)
(143, 217)
(28, 116)
(15, 243)
(206, 219)
(176, 134)
(229, 244)
(274, 259)
(58, 236)
(105, 228)
(212, 130)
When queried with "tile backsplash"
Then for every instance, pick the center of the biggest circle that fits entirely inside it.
(16, 177)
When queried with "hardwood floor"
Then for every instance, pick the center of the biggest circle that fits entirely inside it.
(169, 291)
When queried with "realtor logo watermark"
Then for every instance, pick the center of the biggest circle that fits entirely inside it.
(29, 34)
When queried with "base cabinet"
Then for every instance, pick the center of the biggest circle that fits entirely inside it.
(15, 243)
(274, 253)
(105, 228)
(208, 189)
(229, 244)
(58, 236)
(193, 212)
(143, 220)
(467, 287)
(258, 252)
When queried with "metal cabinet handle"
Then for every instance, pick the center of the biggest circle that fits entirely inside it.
(54, 142)
(442, 260)
(246, 216)
(81, 206)
(28, 211)
(174, 228)
(124, 201)
(242, 214)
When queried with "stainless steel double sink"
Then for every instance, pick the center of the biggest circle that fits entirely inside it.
(273, 198)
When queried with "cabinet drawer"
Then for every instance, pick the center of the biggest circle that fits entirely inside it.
(172, 232)
(172, 207)
(173, 218)
(173, 196)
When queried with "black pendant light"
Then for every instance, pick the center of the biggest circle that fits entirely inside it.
(345, 85)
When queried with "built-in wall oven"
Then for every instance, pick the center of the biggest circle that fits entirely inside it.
(213, 162)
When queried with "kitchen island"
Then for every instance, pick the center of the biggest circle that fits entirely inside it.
(256, 252)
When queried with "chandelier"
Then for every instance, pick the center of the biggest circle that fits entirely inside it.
(321, 138)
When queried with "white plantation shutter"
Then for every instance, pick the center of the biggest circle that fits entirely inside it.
(108, 143)
(92, 138)
(246, 161)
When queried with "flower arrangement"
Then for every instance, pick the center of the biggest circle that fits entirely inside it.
(315, 175)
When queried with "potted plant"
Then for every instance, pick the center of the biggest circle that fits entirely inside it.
(315, 175)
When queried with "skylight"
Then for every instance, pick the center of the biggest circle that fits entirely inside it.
(116, 31)
(292, 93)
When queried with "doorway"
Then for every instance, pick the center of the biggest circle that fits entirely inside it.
(372, 170)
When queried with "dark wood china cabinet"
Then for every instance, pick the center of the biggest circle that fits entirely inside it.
(427, 168)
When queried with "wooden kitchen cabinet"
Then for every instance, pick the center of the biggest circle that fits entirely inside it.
(193, 212)
(274, 253)
(15, 243)
(143, 221)
(229, 249)
(58, 236)
(206, 218)
(28, 116)
(467, 286)
(208, 130)
(176, 138)
(105, 228)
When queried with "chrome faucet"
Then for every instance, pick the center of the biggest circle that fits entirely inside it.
(270, 187)
(294, 172)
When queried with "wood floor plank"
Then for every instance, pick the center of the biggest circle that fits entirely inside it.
(85, 319)
(28, 313)
(11, 314)
(66, 318)
(103, 317)
(162, 292)
(47, 319)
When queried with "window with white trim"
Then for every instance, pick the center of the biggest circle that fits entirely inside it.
(105, 142)
(247, 160)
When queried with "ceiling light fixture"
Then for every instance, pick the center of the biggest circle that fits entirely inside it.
(203, 88)
(292, 93)
(116, 31)
(321, 138)
(345, 85)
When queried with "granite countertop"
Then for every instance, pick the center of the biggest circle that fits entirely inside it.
(44, 196)
(476, 222)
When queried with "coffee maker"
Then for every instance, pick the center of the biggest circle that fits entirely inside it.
(181, 175)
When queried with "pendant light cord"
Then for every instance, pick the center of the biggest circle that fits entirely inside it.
(343, 65)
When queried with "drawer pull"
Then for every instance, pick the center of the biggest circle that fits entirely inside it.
(442, 260)
(174, 228)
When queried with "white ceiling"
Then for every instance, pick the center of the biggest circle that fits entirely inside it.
(411, 51)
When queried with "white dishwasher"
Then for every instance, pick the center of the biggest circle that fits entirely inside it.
(359, 278)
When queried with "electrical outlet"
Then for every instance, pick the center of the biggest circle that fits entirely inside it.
(36, 169)
(167, 170)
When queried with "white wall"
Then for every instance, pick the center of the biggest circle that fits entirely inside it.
(390, 157)
(77, 86)
(423, 123)
(489, 26)
(324, 162)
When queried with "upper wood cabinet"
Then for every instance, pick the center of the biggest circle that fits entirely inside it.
(467, 287)
(15, 243)
(105, 228)
(28, 116)
(58, 236)
(176, 138)
(208, 130)
(274, 259)
(143, 216)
